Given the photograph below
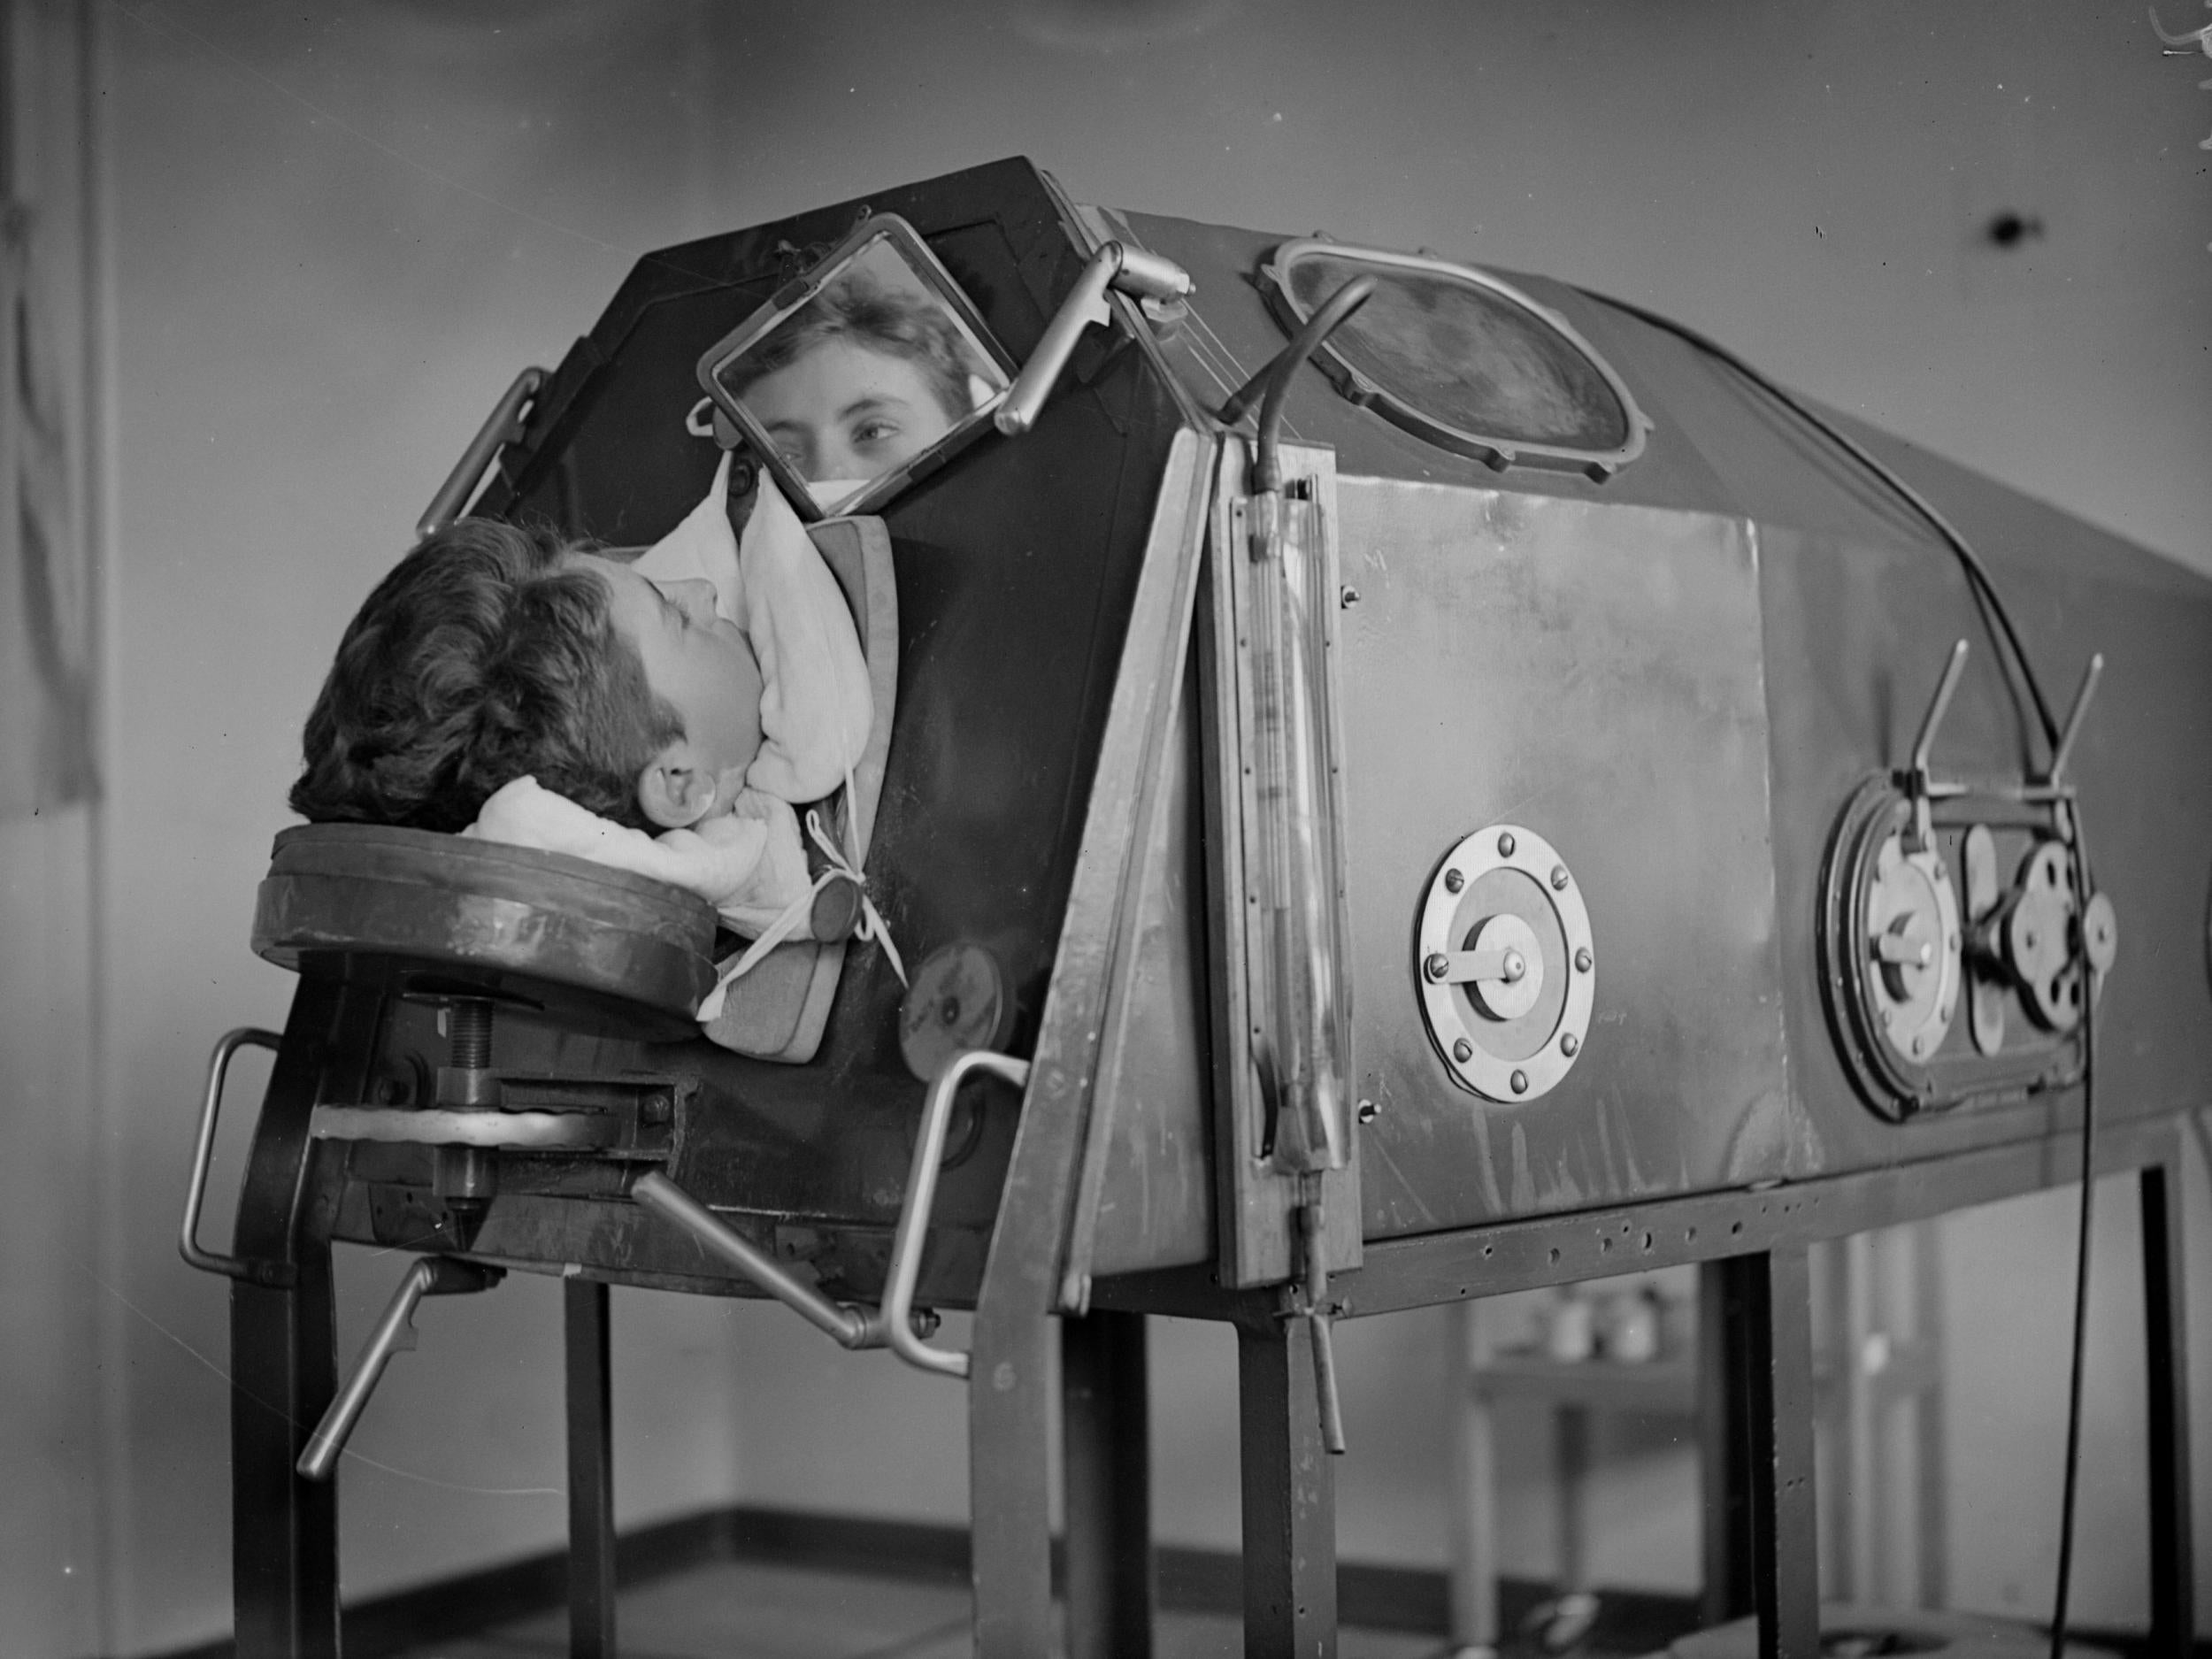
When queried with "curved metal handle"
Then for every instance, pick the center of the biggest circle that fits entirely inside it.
(921, 1194)
(502, 428)
(202, 1154)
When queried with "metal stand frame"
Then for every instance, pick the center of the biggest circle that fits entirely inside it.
(1760, 1519)
(1760, 1524)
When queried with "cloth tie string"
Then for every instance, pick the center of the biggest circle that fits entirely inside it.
(841, 865)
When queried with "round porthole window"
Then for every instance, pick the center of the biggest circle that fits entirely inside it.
(1462, 360)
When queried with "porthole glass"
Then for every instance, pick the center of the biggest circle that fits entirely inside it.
(1462, 360)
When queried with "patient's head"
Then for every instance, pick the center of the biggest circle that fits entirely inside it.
(857, 380)
(491, 653)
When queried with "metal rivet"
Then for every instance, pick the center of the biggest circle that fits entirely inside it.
(1454, 881)
(1582, 960)
(1349, 598)
(1569, 1044)
(1435, 966)
(1559, 878)
(1369, 1111)
(1462, 1051)
(1505, 844)
(1919, 1045)
(1519, 1080)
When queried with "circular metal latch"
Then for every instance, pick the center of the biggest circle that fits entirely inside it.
(1912, 942)
(1893, 953)
(1505, 966)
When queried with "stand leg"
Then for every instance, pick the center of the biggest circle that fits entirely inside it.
(1571, 1443)
(2166, 1361)
(1724, 1441)
(1927, 1410)
(1289, 1497)
(1768, 1341)
(590, 1470)
(284, 1339)
(1473, 1518)
(284, 1530)
(1010, 1446)
(1107, 1436)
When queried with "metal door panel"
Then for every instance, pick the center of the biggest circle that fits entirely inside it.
(1593, 674)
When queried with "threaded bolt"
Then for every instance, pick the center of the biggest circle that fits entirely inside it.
(469, 1027)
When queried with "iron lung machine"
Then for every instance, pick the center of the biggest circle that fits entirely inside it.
(1402, 782)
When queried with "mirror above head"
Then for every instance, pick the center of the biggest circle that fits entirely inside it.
(869, 371)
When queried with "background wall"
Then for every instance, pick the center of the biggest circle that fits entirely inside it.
(337, 236)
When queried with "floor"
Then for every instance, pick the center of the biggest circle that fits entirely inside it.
(728, 1610)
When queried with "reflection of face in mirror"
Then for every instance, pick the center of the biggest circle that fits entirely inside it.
(859, 379)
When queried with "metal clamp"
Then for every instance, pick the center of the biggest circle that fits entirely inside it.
(1115, 266)
(430, 1276)
(202, 1155)
(844, 1323)
(2074, 716)
(1920, 784)
(921, 1194)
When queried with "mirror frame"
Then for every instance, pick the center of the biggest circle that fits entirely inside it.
(796, 293)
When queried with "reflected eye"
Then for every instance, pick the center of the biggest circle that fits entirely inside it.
(875, 431)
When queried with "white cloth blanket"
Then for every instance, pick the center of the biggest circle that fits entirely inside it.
(816, 711)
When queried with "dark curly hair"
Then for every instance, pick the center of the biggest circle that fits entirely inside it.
(859, 307)
(483, 656)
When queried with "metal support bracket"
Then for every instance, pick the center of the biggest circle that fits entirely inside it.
(1115, 266)
(504, 425)
(846, 1324)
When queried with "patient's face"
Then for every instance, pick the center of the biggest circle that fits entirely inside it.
(700, 663)
(843, 410)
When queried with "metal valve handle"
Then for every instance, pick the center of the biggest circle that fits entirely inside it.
(202, 1155)
(921, 1194)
